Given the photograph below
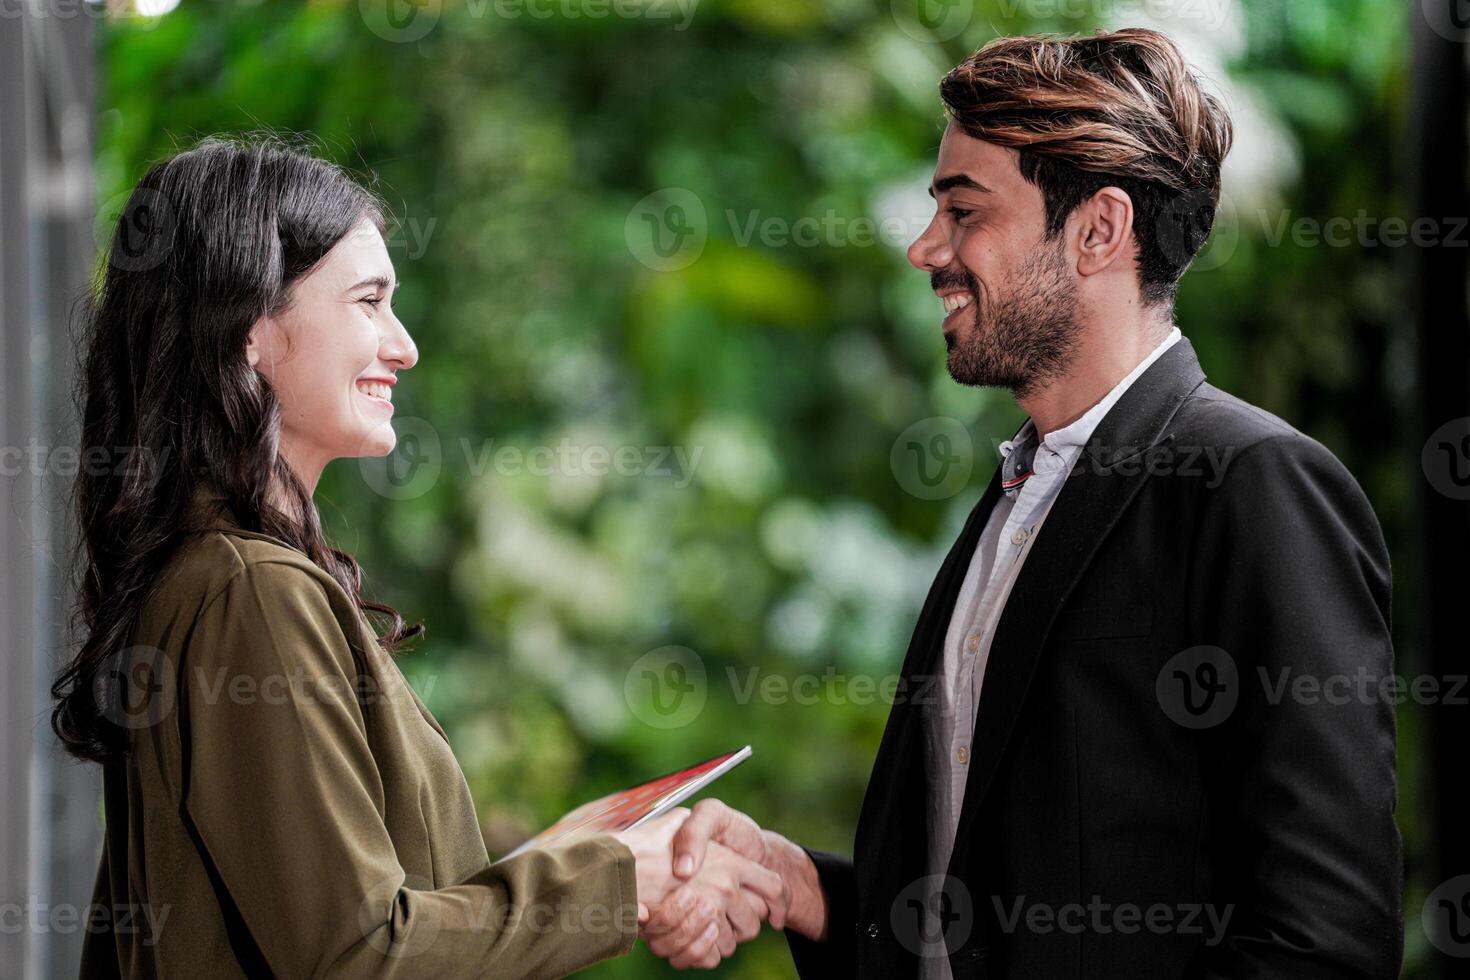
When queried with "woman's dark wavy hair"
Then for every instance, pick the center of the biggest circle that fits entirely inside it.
(211, 240)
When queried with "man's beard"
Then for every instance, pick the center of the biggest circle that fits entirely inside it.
(1022, 339)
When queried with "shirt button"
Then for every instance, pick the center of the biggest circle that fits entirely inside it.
(962, 754)
(1020, 536)
(973, 643)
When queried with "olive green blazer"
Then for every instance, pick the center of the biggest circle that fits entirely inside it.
(288, 806)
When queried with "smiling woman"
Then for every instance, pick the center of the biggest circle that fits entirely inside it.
(278, 800)
(224, 257)
(334, 354)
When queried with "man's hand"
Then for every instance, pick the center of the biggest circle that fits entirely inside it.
(698, 919)
(703, 920)
(805, 908)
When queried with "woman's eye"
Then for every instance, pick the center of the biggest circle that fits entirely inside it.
(372, 301)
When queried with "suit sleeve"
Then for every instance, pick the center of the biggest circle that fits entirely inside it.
(284, 798)
(1291, 580)
(836, 956)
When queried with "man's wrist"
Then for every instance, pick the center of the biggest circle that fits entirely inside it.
(807, 913)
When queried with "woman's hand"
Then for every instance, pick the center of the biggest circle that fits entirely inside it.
(652, 847)
(699, 921)
(722, 905)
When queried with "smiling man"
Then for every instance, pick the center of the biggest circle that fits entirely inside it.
(1103, 761)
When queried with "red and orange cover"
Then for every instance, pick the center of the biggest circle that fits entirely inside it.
(631, 807)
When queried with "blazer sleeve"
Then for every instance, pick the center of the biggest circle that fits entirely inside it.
(1291, 581)
(836, 956)
(284, 798)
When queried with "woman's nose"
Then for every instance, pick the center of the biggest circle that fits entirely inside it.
(398, 347)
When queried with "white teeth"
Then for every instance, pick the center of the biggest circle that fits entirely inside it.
(956, 301)
(376, 389)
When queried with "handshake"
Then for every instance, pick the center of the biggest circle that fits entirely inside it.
(709, 877)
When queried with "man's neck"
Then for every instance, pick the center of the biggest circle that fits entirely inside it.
(1103, 358)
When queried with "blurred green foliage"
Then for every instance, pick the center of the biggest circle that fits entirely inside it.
(515, 141)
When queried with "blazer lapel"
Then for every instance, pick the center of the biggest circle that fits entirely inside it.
(892, 833)
(1095, 495)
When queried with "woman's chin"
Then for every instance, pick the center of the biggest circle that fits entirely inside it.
(379, 442)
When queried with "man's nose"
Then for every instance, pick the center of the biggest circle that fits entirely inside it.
(931, 250)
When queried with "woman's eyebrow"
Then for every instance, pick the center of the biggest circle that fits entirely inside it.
(382, 282)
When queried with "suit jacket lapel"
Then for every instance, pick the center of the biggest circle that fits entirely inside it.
(892, 831)
(1095, 495)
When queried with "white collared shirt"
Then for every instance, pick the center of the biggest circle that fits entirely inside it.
(1006, 540)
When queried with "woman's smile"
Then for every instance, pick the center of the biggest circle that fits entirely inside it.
(379, 391)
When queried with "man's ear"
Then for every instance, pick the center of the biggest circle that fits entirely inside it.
(1105, 229)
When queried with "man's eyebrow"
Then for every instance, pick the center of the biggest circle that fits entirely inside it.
(943, 184)
(382, 282)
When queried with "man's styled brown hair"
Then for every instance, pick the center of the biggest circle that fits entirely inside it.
(1121, 109)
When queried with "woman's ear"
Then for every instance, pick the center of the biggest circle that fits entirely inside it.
(258, 341)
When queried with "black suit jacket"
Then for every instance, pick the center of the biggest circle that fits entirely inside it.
(1155, 790)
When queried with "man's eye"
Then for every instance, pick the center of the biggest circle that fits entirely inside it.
(959, 214)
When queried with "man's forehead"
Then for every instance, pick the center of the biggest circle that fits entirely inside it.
(987, 164)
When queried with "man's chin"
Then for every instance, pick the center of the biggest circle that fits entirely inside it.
(969, 372)
(962, 372)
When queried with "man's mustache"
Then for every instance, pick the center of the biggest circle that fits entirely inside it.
(952, 279)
